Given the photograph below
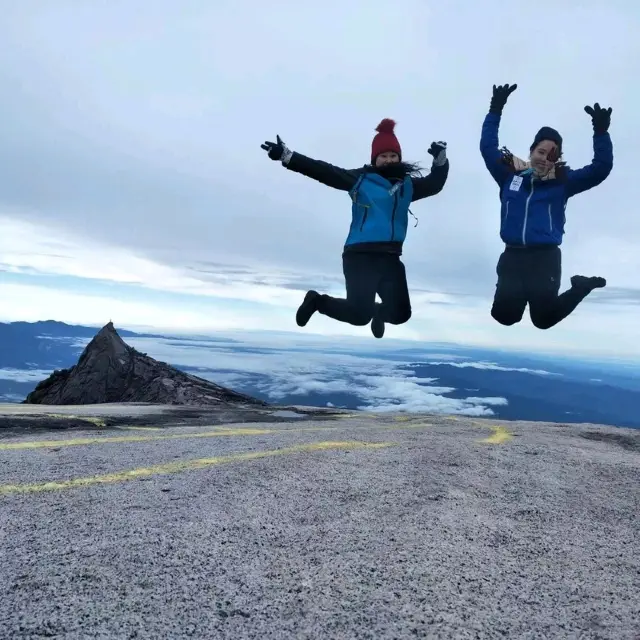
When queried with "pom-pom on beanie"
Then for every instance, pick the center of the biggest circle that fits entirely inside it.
(385, 140)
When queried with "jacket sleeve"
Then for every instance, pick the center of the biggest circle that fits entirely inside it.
(579, 180)
(332, 176)
(489, 148)
(431, 184)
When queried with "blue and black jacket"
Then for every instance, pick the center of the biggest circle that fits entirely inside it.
(380, 207)
(532, 211)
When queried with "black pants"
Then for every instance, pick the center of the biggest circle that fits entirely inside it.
(366, 274)
(532, 275)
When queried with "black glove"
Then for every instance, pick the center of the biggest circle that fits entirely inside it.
(439, 152)
(600, 118)
(500, 96)
(275, 150)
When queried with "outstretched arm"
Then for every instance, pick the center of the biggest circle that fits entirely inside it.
(593, 174)
(329, 174)
(435, 181)
(323, 172)
(489, 141)
(490, 150)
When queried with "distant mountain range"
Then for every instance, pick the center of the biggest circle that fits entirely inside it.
(436, 377)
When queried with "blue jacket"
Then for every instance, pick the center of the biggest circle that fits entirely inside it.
(532, 211)
(379, 207)
(379, 210)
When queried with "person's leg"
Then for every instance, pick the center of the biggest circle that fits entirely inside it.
(361, 281)
(546, 307)
(395, 305)
(510, 300)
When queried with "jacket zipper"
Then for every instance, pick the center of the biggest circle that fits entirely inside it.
(393, 216)
(550, 220)
(526, 214)
(506, 215)
(364, 217)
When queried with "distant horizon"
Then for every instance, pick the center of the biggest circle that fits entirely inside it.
(590, 356)
(371, 375)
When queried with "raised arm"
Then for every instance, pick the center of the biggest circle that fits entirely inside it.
(328, 174)
(591, 175)
(434, 182)
(489, 141)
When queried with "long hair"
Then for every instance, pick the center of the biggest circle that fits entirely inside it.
(561, 168)
(397, 170)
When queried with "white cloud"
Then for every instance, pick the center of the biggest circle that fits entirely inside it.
(24, 375)
(493, 367)
(280, 373)
(32, 303)
(24, 248)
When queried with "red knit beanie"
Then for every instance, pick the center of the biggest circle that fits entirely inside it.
(385, 140)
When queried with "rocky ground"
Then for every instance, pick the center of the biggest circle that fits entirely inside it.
(16, 418)
(326, 526)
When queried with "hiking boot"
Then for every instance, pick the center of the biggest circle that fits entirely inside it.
(308, 307)
(588, 283)
(377, 324)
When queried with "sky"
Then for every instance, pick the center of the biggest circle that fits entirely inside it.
(133, 186)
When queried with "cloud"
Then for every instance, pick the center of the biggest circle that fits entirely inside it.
(494, 367)
(280, 373)
(133, 176)
(24, 375)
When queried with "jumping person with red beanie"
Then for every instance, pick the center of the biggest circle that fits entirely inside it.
(533, 196)
(381, 193)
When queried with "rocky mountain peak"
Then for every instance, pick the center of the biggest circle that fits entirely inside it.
(109, 370)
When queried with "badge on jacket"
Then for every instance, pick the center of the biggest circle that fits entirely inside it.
(515, 183)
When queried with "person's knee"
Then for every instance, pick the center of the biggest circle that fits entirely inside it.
(506, 315)
(541, 320)
(400, 316)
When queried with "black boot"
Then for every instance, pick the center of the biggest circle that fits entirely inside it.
(377, 323)
(588, 283)
(308, 307)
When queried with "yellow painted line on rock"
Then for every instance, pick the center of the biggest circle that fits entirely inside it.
(499, 435)
(39, 444)
(216, 431)
(400, 427)
(183, 465)
(70, 416)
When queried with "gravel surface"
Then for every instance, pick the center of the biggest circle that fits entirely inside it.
(355, 527)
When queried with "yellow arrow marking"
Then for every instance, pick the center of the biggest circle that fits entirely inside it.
(182, 465)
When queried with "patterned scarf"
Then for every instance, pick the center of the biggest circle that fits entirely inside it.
(524, 166)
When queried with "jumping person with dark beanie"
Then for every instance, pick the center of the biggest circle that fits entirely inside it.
(381, 193)
(533, 197)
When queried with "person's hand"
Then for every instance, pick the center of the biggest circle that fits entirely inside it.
(500, 96)
(439, 152)
(600, 118)
(275, 150)
(554, 155)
